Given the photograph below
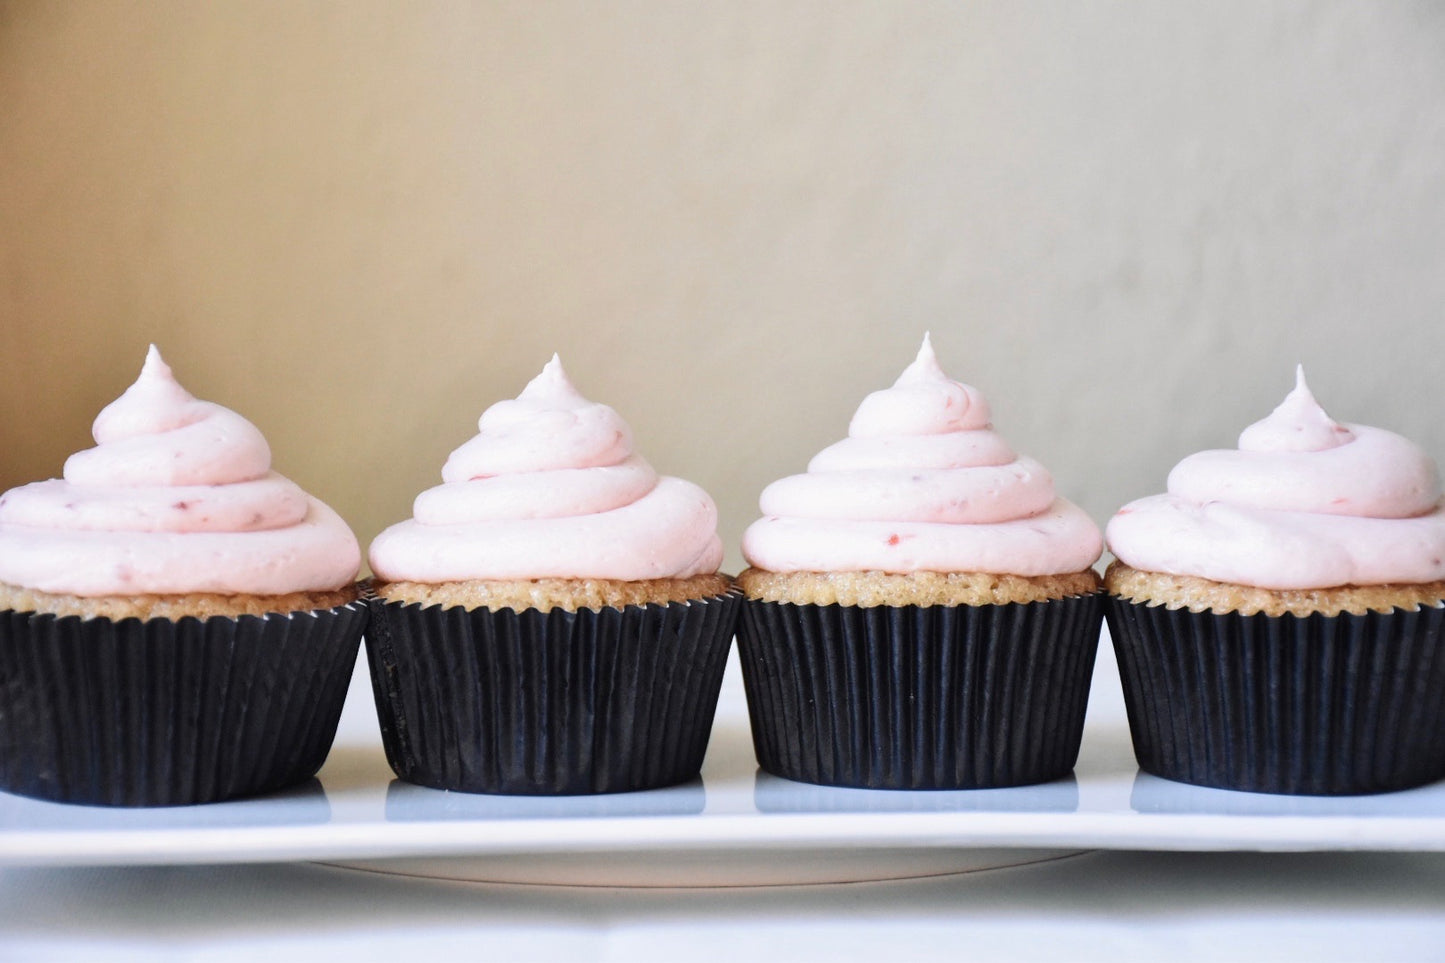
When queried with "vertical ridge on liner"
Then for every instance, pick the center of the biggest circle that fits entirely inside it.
(1416, 700)
(674, 703)
(636, 712)
(1391, 715)
(461, 764)
(808, 704)
(1312, 705)
(196, 679)
(1014, 699)
(793, 705)
(1294, 715)
(881, 661)
(556, 703)
(830, 711)
(938, 697)
(263, 686)
(226, 734)
(919, 734)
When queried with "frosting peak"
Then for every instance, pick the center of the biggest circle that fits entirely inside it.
(156, 402)
(552, 387)
(156, 434)
(549, 487)
(178, 496)
(1304, 502)
(1298, 424)
(548, 427)
(923, 401)
(922, 483)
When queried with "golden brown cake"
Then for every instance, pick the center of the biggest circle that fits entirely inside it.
(199, 605)
(868, 589)
(547, 594)
(1204, 595)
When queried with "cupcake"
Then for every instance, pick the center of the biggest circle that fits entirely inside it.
(1278, 613)
(551, 619)
(920, 612)
(178, 623)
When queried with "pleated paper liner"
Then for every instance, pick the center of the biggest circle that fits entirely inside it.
(910, 697)
(1307, 705)
(167, 712)
(554, 703)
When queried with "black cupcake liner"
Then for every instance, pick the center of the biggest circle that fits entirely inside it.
(548, 703)
(1304, 705)
(919, 697)
(162, 712)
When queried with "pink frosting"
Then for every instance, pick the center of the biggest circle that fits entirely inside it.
(177, 496)
(1304, 503)
(550, 488)
(921, 483)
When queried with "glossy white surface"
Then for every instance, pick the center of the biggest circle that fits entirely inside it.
(735, 825)
(1112, 906)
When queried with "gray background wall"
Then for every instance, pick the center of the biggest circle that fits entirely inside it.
(359, 224)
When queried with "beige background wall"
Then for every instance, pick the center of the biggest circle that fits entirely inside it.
(359, 224)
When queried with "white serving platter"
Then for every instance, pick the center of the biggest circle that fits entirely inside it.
(733, 826)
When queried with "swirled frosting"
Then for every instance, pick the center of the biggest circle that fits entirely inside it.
(1303, 503)
(921, 483)
(177, 497)
(549, 487)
